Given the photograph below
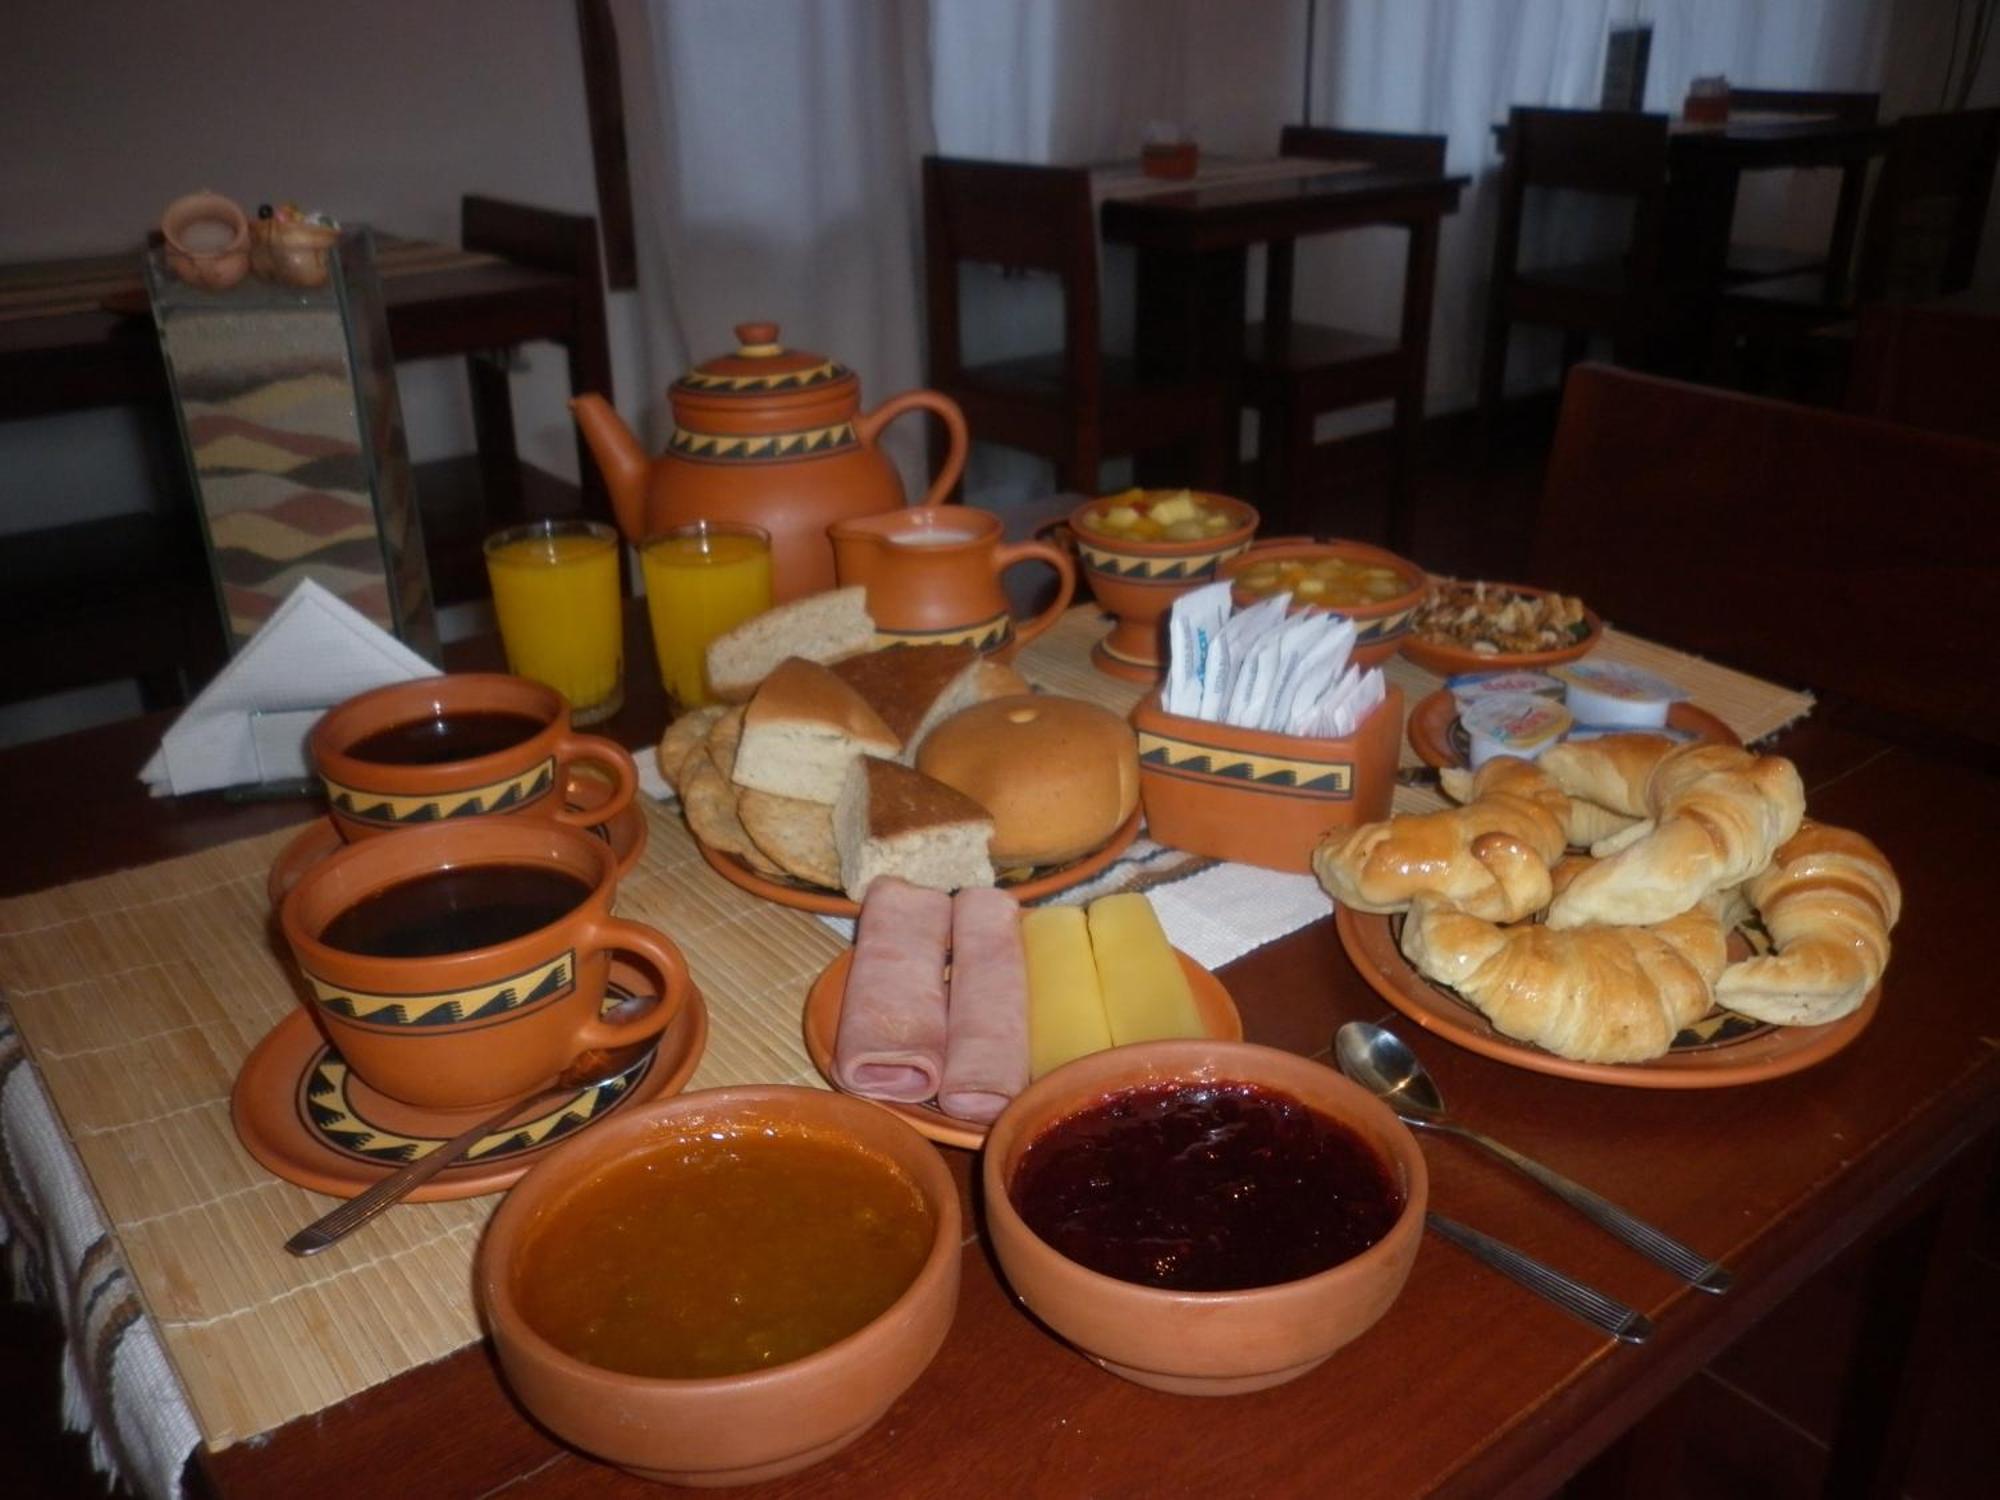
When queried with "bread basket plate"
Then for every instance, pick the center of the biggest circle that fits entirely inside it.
(829, 903)
(1447, 659)
(1720, 1051)
(1439, 740)
(1219, 1019)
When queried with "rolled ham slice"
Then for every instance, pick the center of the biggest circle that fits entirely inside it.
(986, 1036)
(891, 1041)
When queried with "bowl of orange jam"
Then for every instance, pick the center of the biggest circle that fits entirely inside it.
(1379, 591)
(726, 1286)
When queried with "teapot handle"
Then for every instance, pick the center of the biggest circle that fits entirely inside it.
(867, 427)
(1005, 558)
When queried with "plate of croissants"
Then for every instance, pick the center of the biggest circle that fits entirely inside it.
(1625, 910)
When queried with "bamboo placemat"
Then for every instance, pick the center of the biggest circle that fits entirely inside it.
(140, 994)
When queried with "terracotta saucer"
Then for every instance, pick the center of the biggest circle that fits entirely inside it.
(1722, 1050)
(319, 838)
(1219, 1019)
(1445, 659)
(1439, 741)
(300, 1111)
(815, 898)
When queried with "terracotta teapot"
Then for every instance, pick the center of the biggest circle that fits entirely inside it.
(933, 577)
(768, 435)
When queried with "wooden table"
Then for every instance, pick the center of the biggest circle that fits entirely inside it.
(1193, 254)
(1469, 1386)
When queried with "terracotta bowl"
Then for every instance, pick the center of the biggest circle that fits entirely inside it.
(1257, 797)
(1379, 627)
(1137, 582)
(1202, 1343)
(734, 1429)
(1446, 658)
(207, 240)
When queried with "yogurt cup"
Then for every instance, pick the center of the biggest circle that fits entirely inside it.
(1612, 694)
(1517, 724)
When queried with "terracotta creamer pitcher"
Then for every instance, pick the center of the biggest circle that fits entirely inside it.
(933, 577)
(768, 435)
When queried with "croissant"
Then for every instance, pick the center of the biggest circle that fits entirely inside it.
(1584, 823)
(1491, 856)
(1828, 901)
(1715, 815)
(1596, 994)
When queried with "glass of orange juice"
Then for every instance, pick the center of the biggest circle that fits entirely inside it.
(555, 588)
(702, 580)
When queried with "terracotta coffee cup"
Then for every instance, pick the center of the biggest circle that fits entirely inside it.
(520, 746)
(471, 1025)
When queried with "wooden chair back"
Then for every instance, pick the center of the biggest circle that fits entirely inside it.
(1396, 153)
(1854, 557)
(1847, 108)
(1930, 365)
(1020, 217)
(1609, 153)
(1924, 227)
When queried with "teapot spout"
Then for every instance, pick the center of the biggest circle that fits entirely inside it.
(619, 458)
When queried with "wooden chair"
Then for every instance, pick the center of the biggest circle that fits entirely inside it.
(1933, 365)
(1752, 262)
(1604, 153)
(1293, 372)
(1075, 406)
(1921, 241)
(1862, 557)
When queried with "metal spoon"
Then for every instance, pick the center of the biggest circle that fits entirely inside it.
(1378, 1060)
(585, 1071)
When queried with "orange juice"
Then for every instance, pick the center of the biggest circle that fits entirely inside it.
(555, 588)
(702, 580)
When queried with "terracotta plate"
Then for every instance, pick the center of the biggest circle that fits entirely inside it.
(301, 1113)
(1219, 1019)
(1438, 739)
(816, 898)
(1721, 1050)
(1447, 660)
(318, 839)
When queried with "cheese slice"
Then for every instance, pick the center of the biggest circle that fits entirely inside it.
(1146, 993)
(1065, 1008)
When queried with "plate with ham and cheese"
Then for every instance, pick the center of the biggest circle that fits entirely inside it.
(949, 1005)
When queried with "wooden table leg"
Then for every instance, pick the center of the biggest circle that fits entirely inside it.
(493, 434)
(1419, 289)
(1190, 320)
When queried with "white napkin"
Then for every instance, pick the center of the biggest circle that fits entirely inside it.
(250, 724)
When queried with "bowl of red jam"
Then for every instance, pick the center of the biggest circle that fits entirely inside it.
(1203, 1217)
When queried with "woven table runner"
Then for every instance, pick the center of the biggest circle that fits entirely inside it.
(140, 994)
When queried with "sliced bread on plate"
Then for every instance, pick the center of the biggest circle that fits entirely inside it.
(820, 627)
(803, 729)
(891, 820)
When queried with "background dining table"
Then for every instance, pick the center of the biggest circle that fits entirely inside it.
(1469, 1386)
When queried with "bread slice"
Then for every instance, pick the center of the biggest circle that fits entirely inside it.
(684, 736)
(798, 835)
(820, 627)
(803, 729)
(891, 820)
(709, 802)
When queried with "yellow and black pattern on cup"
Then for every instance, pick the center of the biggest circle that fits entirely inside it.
(393, 812)
(982, 635)
(1136, 567)
(1315, 780)
(764, 447)
(709, 384)
(479, 1006)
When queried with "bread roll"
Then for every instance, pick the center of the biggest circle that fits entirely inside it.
(802, 731)
(820, 627)
(1058, 775)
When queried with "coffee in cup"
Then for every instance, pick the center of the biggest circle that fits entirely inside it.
(459, 746)
(466, 964)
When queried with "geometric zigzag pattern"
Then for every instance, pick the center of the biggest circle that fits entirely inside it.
(1189, 758)
(985, 635)
(514, 791)
(340, 1122)
(516, 993)
(793, 380)
(770, 447)
(1133, 568)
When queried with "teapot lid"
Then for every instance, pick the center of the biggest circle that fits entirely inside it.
(761, 367)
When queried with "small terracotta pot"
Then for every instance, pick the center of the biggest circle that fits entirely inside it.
(1202, 1343)
(1139, 581)
(1379, 627)
(291, 253)
(475, 1027)
(733, 1429)
(367, 797)
(1257, 797)
(933, 577)
(208, 240)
